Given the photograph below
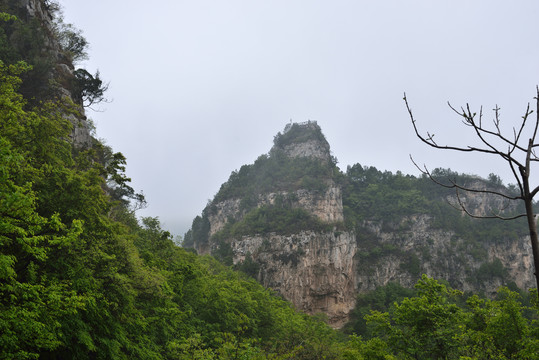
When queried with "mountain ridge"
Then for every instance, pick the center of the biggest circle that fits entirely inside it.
(320, 237)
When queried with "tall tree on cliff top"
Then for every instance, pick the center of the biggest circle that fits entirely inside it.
(517, 149)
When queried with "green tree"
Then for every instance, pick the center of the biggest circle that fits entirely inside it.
(88, 89)
(425, 326)
(32, 304)
(381, 299)
(432, 325)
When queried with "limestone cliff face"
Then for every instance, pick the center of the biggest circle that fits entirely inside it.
(324, 270)
(416, 248)
(315, 271)
(223, 212)
(303, 145)
(481, 203)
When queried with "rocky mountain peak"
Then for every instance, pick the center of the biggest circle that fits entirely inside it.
(302, 140)
(320, 237)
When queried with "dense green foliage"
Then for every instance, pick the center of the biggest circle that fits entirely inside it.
(381, 300)
(389, 199)
(375, 195)
(274, 173)
(432, 325)
(273, 218)
(82, 278)
(296, 133)
(200, 231)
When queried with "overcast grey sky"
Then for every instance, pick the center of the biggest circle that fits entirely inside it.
(200, 87)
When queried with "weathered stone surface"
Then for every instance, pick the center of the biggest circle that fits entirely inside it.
(325, 271)
(317, 148)
(315, 271)
(481, 203)
(326, 206)
(222, 212)
(62, 73)
(310, 148)
(441, 255)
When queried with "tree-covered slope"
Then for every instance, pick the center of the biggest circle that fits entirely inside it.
(396, 203)
(81, 279)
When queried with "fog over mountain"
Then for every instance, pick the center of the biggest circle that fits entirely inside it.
(199, 88)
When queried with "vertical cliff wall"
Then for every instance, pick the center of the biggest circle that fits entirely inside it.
(313, 270)
(322, 266)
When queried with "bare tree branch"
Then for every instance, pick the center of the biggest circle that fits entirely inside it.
(456, 186)
(493, 216)
(468, 120)
(523, 124)
(479, 131)
(513, 170)
(520, 170)
(536, 116)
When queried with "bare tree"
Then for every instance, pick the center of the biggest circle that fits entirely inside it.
(517, 150)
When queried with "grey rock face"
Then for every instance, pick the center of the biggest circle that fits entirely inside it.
(62, 72)
(324, 271)
(315, 271)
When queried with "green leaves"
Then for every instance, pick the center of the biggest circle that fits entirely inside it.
(32, 302)
(89, 89)
(432, 326)
(272, 218)
(7, 17)
(274, 173)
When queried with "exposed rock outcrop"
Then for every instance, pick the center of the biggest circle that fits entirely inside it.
(326, 206)
(417, 248)
(324, 270)
(62, 72)
(308, 143)
(315, 271)
(482, 204)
